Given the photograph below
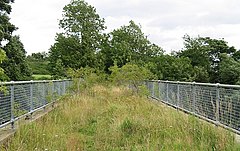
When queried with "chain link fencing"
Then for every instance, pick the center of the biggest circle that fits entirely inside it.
(216, 103)
(19, 99)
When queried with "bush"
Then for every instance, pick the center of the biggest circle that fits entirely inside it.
(86, 77)
(131, 75)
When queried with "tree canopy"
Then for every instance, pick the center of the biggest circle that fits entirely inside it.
(6, 28)
(129, 44)
(14, 65)
(77, 46)
(205, 54)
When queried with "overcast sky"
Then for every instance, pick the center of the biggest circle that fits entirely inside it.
(165, 22)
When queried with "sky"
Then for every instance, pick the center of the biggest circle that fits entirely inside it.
(164, 22)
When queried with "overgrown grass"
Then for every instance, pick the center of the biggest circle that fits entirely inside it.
(111, 118)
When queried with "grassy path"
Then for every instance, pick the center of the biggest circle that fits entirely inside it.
(114, 119)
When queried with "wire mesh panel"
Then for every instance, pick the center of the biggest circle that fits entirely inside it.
(37, 95)
(155, 90)
(162, 88)
(22, 103)
(185, 97)
(150, 86)
(215, 102)
(61, 87)
(5, 105)
(229, 108)
(205, 104)
(56, 90)
(24, 97)
(172, 94)
(68, 85)
(49, 91)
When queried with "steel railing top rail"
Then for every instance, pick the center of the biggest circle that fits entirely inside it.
(197, 83)
(32, 81)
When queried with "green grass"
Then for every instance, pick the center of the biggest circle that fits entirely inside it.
(41, 77)
(112, 118)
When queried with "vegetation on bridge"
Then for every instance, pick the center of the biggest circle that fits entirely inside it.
(115, 118)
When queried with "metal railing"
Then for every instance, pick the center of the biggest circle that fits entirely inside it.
(216, 103)
(19, 99)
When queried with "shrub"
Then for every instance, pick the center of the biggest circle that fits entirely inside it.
(131, 75)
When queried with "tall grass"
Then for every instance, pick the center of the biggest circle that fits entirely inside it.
(112, 118)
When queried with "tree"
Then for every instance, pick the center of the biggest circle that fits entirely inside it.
(173, 68)
(3, 76)
(130, 74)
(196, 51)
(229, 70)
(215, 49)
(200, 74)
(39, 56)
(6, 28)
(129, 44)
(68, 50)
(58, 70)
(205, 53)
(236, 55)
(78, 45)
(15, 66)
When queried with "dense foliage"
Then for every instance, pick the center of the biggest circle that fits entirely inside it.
(210, 58)
(14, 64)
(129, 44)
(6, 28)
(38, 62)
(78, 45)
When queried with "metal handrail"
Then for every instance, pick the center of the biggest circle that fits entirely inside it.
(21, 98)
(217, 103)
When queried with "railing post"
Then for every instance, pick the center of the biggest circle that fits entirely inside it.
(31, 96)
(217, 102)
(194, 97)
(178, 93)
(167, 92)
(12, 104)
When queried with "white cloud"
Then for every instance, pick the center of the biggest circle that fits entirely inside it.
(37, 21)
(164, 21)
